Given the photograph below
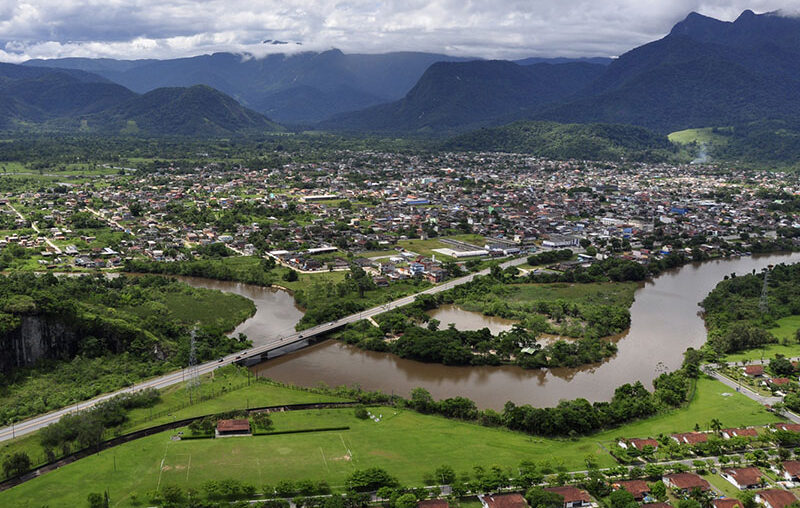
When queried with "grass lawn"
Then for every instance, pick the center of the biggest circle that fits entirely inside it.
(722, 485)
(734, 410)
(405, 443)
(257, 394)
(704, 135)
(174, 405)
(786, 329)
(425, 247)
(601, 293)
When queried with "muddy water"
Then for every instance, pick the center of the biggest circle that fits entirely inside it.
(664, 322)
(467, 320)
(276, 313)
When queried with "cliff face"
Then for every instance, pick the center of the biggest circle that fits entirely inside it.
(36, 338)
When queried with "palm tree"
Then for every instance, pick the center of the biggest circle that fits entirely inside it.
(716, 425)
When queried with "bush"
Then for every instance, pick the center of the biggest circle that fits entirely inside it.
(361, 413)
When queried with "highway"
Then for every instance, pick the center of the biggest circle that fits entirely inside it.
(34, 424)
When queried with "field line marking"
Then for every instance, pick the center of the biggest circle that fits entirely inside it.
(323, 460)
(161, 469)
(352, 460)
(258, 464)
(188, 466)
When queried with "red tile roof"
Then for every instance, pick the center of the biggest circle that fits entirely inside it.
(780, 381)
(754, 370)
(433, 503)
(686, 481)
(638, 488)
(745, 476)
(639, 444)
(505, 501)
(570, 494)
(741, 432)
(792, 467)
(726, 503)
(691, 437)
(658, 505)
(777, 498)
(233, 426)
(791, 427)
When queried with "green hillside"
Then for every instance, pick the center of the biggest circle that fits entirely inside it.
(569, 141)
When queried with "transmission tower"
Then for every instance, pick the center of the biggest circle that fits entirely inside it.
(763, 304)
(193, 382)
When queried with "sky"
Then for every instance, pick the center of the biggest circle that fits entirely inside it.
(132, 29)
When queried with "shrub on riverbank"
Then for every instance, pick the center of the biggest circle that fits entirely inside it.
(736, 316)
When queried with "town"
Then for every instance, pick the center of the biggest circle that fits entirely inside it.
(400, 216)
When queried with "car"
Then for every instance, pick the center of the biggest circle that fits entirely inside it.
(238, 356)
(221, 359)
(300, 336)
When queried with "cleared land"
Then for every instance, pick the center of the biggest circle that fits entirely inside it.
(701, 136)
(425, 247)
(405, 443)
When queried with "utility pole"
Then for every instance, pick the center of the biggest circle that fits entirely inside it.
(763, 303)
(194, 379)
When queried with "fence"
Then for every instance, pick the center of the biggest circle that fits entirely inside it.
(52, 465)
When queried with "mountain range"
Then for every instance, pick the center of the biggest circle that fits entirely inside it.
(75, 100)
(300, 88)
(704, 73)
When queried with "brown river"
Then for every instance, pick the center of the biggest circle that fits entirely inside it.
(665, 321)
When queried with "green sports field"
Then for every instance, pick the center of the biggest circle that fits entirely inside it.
(405, 443)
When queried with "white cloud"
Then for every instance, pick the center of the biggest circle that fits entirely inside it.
(483, 28)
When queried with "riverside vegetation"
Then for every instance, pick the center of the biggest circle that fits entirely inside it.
(588, 311)
(736, 319)
(106, 334)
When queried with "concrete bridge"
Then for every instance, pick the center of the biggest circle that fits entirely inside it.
(271, 349)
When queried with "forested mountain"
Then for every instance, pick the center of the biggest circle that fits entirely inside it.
(455, 96)
(35, 95)
(194, 111)
(568, 141)
(705, 72)
(71, 100)
(303, 87)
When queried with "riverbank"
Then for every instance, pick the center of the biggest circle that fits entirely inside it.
(407, 444)
(95, 336)
(664, 323)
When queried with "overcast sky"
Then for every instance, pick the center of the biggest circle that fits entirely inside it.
(482, 28)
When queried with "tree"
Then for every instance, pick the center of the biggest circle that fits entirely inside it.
(16, 464)
(407, 500)
(445, 474)
(172, 495)
(537, 497)
(366, 480)
(95, 500)
(290, 276)
(716, 425)
(621, 499)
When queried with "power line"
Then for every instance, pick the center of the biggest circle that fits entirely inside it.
(193, 384)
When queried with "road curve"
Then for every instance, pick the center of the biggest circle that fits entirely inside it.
(34, 424)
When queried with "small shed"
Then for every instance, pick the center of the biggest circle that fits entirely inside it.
(228, 428)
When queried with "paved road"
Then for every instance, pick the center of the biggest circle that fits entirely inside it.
(761, 399)
(34, 424)
(36, 228)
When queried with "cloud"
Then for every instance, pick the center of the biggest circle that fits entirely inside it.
(483, 28)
